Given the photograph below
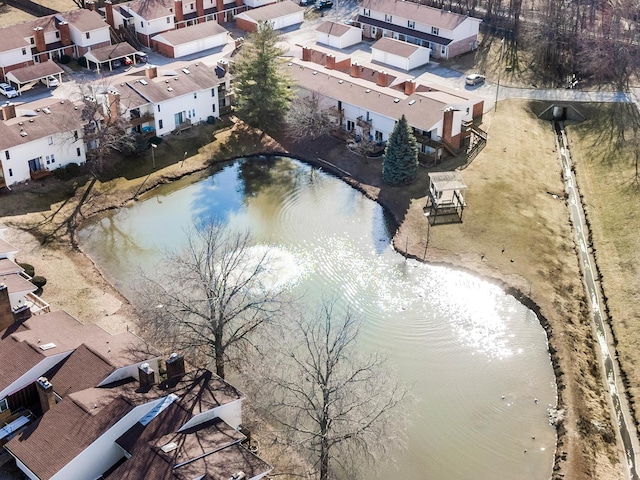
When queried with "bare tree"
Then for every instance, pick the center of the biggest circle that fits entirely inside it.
(210, 298)
(334, 402)
(306, 119)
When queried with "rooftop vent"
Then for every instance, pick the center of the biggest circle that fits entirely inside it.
(368, 90)
(169, 89)
(396, 100)
(169, 447)
(47, 346)
(166, 81)
(411, 102)
(23, 133)
(20, 123)
(315, 73)
(46, 110)
(31, 119)
(340, 81)
(144, 82)
(186, 71)
(289, 64)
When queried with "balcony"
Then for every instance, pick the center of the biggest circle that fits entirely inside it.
(140, 119)
(36, 304)
(39, 174)
(361, 122)
(333, 112)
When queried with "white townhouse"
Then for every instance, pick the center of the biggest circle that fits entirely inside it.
(170, 100)
(38, 137)
(368, 102)
(447, 34)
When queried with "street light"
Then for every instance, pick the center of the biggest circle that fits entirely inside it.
(499, 73)
(153, 155)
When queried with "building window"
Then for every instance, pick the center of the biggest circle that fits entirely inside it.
(78, 152)
(160, 125)
(53, 158)
(367, 12)
(4, 405)
(435, 30)
(214, 108)
(388, 18)
(213, 92)
(141, 24)
(374, 31)
(47, 159)
(75, 135)
(33, 41)
(158, 107)
(50, 140)
(191, 6)
(88, 34)
(6, 155)
(195, 95)
(411, 24)
(24, 51)
(193, 113)
(10, 173)
(223, 102)
(443, 50)
(168, 20)
(57, 34)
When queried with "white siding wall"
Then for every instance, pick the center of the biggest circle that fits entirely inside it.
(468, 28)
(130, 371)
(353, 36)
(201, 45)
(203, 106)
(34, 373)
(63, 149)
(104, 452)
(419, 58)
(390, 59)
(231, 413)
(16, 299)
(288, 20)
(154, 26)
(96, 36)
(258, 3)
(13, 57)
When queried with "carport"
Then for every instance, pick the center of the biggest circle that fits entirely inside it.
(26, 77)
(108, 54)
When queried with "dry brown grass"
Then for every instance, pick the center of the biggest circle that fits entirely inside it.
(607, 179)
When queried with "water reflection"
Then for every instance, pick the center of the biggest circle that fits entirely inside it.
(477, 359)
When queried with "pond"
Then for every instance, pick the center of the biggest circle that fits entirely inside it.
(476, 359)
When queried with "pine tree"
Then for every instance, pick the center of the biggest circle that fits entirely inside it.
(400, 163)
(262, 91)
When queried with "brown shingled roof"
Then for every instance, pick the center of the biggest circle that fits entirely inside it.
(108, 52)
(6, 247)
(333, 28)
(84, 19)
(395, 47)
(62, 434)
(35, 71)
(414, 11)
(149, 9)
(82, 369)
(17, 283)
(271, 11)
(7, 266)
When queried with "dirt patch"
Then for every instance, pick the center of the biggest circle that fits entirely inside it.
(515, 231)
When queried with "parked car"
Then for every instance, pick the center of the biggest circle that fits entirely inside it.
(7, 90)
(307, 3)
(323, 5)
(50, 81)
(474, 79)
(141, 57)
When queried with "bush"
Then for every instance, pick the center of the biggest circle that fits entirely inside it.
(64, 59)
(71, 170)
(28, 268)
(39, 281)
(82, 62)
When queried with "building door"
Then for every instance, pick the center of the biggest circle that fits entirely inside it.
(178, 118)
(350, 125)
(34, 165)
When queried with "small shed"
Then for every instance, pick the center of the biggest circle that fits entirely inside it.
(403, 55)
(338, 35)
(445, 200)
(281, 15)
(192, 39)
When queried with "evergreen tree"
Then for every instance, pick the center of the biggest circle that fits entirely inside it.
(262, 91)
(400, 162)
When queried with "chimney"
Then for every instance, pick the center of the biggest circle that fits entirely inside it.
(8, 111)
(356, 70)
(177, 11)
(200, 10)
(175, 366)
(447, 124)
(331, 62)
(306, 54)
(382, 78)
(146, 376)
(108, 9)
(151, 72)
(45, 392)
(90, 5)
(220, 9)
(65, 33)
(6, 313)
(38, 33)
(409, 87)
(21, 313)
(114, 106)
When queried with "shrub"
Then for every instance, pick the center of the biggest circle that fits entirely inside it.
(64, 59)
(39, 281)
(82, 62)
(67, 172)
(28, 268)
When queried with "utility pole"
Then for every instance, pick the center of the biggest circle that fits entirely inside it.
(499, 73)
(153, 154)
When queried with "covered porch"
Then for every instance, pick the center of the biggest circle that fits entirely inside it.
(26, 77)
(445, 201)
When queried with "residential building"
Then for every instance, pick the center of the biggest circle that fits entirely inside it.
(338, 35)
(447, 34)
(39, 137)
(281, 15)
(367, 102)
(402, 55)
(193, 39)
(36, 41)
(169, 101)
